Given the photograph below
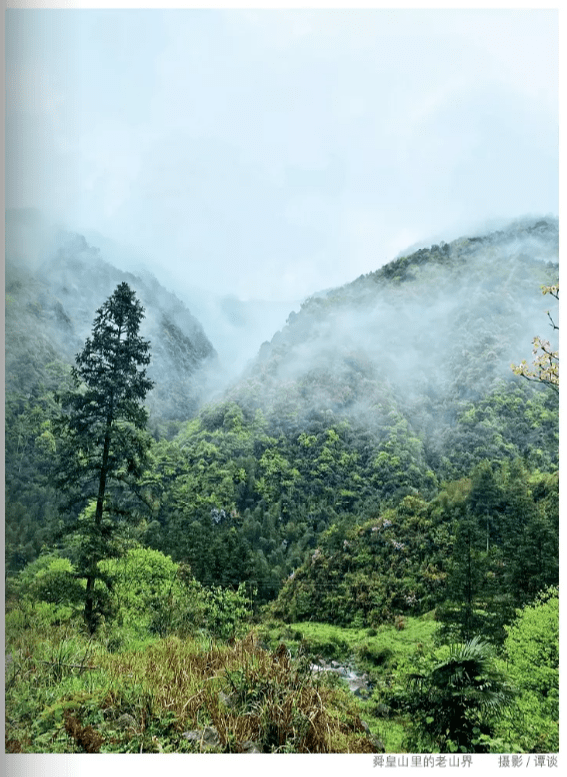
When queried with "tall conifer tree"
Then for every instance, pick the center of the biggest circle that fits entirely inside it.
(104, 445)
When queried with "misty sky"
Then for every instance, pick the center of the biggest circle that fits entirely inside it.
(271, 154)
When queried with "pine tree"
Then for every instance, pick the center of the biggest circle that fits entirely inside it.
(465, 583)
(485, 501)
(103, 445)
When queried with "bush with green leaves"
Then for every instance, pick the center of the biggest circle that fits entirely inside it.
(532, 654)
(151, 594)
(46, 592)
(227, 612)
(532, 646)
(147, 595)
(49, 578)
(455, 704)
(154, 595)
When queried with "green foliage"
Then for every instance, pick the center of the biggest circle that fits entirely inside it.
(505, 550)
(508, 422)
(67, 694)
(456, 701)
(386, 656)
(150, 595)
(57, 584)
(37, 615)
(145, 594)
(376, 655)
(390, 474)
(47, 592)
(392, 564)
(226, 612)
(532, 662)
(400, 467)
(31, 499)
(101, 430)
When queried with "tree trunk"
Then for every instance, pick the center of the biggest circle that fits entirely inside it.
(90, 616)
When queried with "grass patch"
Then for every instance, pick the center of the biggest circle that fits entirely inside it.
(337, 642)
(318, 640)
(386, 653)
(67, 694)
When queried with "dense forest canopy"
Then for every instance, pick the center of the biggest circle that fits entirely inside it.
(379, 459)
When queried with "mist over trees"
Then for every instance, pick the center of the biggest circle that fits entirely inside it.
(377, 461)
(52, 291)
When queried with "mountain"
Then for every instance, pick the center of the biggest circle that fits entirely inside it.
(377, 464)
(383, 400)
(236, 327)
(51, 299)
(383, 390)
(424, 335)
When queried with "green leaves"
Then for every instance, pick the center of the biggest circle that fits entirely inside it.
(466, 694)
(101, 429)
(532, 645)
(531, 653)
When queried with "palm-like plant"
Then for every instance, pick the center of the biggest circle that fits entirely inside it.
(454, 702)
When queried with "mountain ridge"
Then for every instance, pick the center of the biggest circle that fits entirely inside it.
(423, 309)
(49, 314)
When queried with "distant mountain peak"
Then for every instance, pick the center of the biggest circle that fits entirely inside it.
(64, 291)
(443, 322)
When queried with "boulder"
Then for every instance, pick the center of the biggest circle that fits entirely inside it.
(252, 747)
(207, 738)
(126, 721)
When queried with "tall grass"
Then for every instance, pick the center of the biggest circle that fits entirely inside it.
(68, 694)
(385, 653)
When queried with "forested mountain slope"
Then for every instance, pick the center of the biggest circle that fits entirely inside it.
(54, 285)
(424, 334)
(379, 469)
(50, 305)
(383, 403)
(382, 390)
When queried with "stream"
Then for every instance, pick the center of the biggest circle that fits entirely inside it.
(359, 683)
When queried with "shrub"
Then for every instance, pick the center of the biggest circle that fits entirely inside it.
(532, 647)
(46, 592)
(57, 584)
(227, 612)
(378, 655)
(532, 653)
(49, 578)
(455, 703)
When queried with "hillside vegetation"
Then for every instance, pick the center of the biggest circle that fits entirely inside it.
(378, 488)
